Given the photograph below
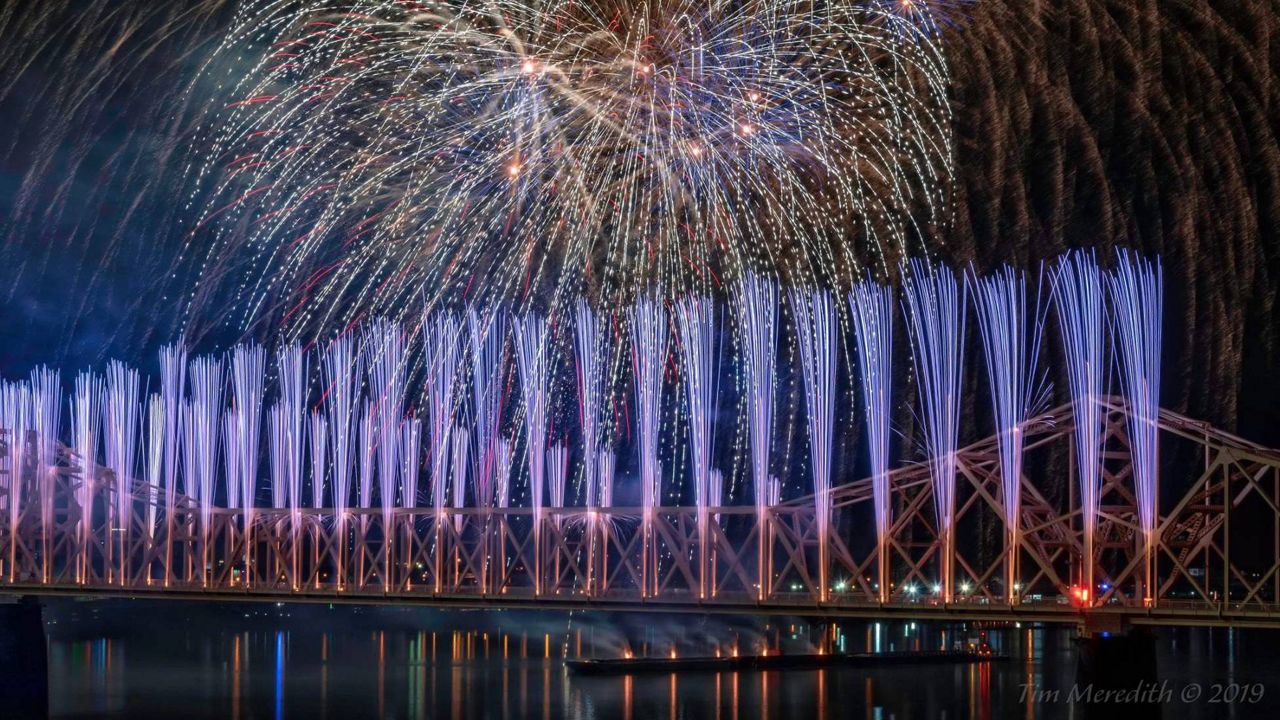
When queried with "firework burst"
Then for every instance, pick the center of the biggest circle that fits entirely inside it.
(566, 148)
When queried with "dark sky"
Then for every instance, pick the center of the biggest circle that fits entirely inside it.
(1078, 123)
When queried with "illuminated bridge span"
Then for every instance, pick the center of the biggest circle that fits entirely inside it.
(1214, 560)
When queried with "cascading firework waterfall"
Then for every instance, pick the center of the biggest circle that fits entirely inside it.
(318, 443)
(459, 451)
(871, 310)
(201, 427)
(557, 473)
(487, 332)
(231, 459)
(649, 333)
(341, 365)
(440, 335)
(46, 424)
(154, 460)
(384, 347)
(248, 371)
(86, 412)
(368, 444)
(815, 321)
(533, 361)
(289, 426)
(1080, 303)
(121, 423)
(173, 383)
(15, 408)
(410, 468)
(410, 461)
(757, 309)
(1011, 333)
(696, 320)
(1137, 308)
(502, 474)
(591, 350)
(935, 318)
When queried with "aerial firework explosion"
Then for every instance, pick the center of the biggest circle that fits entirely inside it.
(377, 151)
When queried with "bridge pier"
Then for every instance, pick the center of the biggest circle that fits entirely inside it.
(1116, 670)
(24, 658)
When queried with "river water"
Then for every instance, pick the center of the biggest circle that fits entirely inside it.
(144, 659)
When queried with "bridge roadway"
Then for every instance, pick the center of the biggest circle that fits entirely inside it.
(1050, 611)
(1213, 558)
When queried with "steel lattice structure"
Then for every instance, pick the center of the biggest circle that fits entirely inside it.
(1205, 570)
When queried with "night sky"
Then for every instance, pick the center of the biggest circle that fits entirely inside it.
(1078, 123)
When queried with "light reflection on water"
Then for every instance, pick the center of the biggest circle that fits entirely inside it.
(513, 668)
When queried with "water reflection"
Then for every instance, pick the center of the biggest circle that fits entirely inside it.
(507, 666)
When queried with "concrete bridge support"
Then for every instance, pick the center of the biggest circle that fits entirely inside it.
(1116, 674)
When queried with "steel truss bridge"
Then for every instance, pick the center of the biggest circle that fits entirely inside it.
(1215, 559)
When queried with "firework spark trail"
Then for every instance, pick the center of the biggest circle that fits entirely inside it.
(173, 380)
(190, 449)
(871, 309)
(291, 367)
(488, 337)
(715, 491)
(441, 334)
(367, 444)
(1137, 307)
(607, 461)
(502, 473)
(649, 339)
(815, 320)
(277, 451)
(460, 442)
(154, 460)
(557, 473)
(386, 354)
(248, 372)
(202, 425)
(231, 459)
(318, 437)
(654, 146)
(342, 369)
(935, 317)
(410, 461)
(606, 466)
(557, 481)
(696, 320)
(591, 353)
(86, 412)
(280, 448)
(1011, 334)
(1080, 303)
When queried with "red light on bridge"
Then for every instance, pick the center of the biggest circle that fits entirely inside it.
(1080, 595)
